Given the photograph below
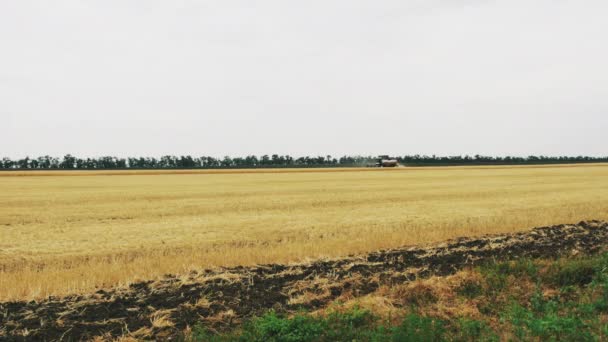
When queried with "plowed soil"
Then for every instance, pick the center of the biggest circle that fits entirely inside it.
(220, 299)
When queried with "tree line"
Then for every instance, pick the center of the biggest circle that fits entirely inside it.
(205, 162)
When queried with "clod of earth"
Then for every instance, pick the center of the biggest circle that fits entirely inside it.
(221, 299)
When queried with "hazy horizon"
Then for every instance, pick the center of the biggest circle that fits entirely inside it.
(151, 78)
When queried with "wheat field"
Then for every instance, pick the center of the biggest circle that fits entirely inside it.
(71, 232)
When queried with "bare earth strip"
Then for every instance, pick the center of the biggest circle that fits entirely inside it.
(62, 234)
(222, 298)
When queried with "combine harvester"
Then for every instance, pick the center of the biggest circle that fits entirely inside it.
(385, 161)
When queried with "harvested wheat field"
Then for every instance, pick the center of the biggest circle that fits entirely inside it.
(72, 232)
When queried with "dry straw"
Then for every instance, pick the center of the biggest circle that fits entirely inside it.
(62, 234)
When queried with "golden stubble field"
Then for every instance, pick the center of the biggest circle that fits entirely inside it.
(71, 232)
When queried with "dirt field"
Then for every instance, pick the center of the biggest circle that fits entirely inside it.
(221, 299)
(74, 232)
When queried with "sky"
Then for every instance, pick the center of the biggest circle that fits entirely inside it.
(316, 77)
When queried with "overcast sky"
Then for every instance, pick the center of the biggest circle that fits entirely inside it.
(303, 77)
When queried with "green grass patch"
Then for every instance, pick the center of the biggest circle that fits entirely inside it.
(569, 303)
(354, 325)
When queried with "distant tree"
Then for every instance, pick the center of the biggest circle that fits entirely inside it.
(226, 162)
(121, 163)
(68, 162)
(252, 161)
(265, 160)
(167, 162)
(43, 162)
(80, 163)
(23, 163)
(54, 163)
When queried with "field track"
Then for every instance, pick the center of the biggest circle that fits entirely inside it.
(220, 299)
